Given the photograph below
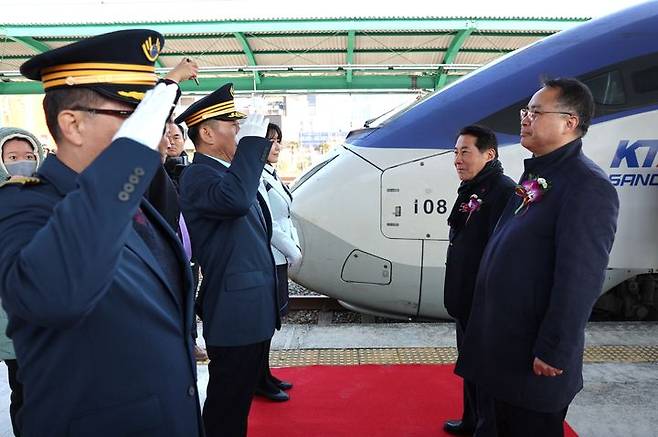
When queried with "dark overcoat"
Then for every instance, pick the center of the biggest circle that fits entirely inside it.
(469, 233)
(541, 273)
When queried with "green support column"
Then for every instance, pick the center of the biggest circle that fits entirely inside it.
(351, 39)
(456, 44)
(251, 59)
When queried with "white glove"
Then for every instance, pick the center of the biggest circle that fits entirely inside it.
(146, 124)
(295, 261)
(254, 126)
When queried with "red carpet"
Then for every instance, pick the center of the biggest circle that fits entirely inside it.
(362, 401)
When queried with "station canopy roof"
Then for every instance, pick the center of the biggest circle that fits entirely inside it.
(361, 51)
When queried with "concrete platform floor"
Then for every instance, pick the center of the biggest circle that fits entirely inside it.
(620, 397)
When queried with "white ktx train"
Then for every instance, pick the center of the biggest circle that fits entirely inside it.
(372, 217)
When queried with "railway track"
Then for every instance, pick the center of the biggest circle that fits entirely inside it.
(320, 303)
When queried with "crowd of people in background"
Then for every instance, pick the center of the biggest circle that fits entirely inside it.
(140, 241)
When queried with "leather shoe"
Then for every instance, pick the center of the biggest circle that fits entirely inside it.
(283, 385)
(279, 396)
(457, 427)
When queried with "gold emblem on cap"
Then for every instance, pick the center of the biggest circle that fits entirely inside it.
(151, 49)
(231, 91)
(132, 94)
(70, 80)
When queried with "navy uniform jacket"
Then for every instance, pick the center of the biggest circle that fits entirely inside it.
(469, 237)
(540, 276)
(102, 340)
(230, 237)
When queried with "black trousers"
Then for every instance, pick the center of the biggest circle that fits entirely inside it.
(233, 375)
(266, 379)
(16, 397)
(513, 421)
(469, 416)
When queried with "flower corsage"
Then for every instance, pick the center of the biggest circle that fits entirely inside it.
(531, 190)
(473, 205)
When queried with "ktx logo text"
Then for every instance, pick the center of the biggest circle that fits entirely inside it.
(628, 153)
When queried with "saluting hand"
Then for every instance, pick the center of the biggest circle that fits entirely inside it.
(254, 126)
(146, 124)
(542, 369)
(185, 70)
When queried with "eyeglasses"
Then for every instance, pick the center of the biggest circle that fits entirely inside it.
(121, 113)
(533, 114)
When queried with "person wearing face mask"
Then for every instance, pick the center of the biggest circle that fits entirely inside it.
(22, 153)
(286, 251)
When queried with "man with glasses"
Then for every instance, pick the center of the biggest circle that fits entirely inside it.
(96, 284)
(542, 271)
(231, 228)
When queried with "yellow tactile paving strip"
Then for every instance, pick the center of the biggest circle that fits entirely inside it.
(437, 355)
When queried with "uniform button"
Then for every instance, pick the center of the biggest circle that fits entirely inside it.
(139, 171)
(133, 179)
(128, 187)
(123, 196)
(191, 391)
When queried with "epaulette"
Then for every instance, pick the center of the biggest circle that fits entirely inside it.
(21, 180)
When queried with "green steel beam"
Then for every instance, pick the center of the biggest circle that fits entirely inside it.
(31, 43)
(300, 25)
(296, 83)
(312, 51)
(450, 55)
(525, 32)
(351, 39)
(251, 59)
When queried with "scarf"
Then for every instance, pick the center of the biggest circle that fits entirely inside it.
(478, 185)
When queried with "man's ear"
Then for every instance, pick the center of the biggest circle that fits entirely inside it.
(491, 154)
(206, 134)
(573, 122)
(71, 125)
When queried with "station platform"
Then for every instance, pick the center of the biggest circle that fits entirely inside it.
(620, 397)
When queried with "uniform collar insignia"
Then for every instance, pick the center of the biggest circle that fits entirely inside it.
(21, 180)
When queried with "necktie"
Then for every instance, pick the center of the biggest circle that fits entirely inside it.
(160, 249)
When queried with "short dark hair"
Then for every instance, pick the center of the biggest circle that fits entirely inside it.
(193, 133)
(272, 127)
(180, 128)
(485, 138)
(574, 96)
(57, 101)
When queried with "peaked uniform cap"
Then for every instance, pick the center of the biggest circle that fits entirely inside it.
(219, 104)
(118, 65)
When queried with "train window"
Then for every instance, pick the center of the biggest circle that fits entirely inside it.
(646, 80)
(607, 88)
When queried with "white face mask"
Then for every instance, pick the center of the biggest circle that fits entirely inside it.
(21, 168)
